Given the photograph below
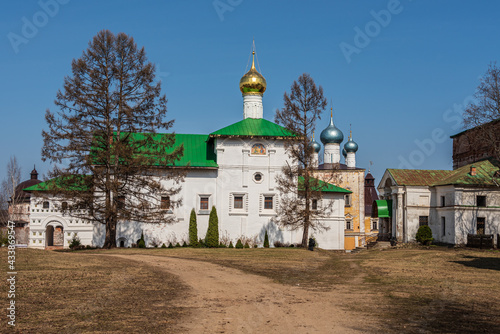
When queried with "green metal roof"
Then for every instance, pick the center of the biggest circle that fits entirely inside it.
(251, 127)
(382, 208)
(323, 186)
(69, 183)
(198, 151)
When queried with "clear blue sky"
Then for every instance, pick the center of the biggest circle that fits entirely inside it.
(401, 81)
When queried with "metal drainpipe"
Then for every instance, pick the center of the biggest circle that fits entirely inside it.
(405, 215)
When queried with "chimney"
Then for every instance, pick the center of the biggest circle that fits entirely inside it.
(473, 170)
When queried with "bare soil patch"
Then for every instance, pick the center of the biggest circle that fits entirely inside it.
(63, 292)
(226, 300)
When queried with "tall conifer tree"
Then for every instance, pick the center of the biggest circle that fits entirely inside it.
(109, 112)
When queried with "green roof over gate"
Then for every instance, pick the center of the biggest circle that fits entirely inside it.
(70, 183)
(382, 208)
(251, 127)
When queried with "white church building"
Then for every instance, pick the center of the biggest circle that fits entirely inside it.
(233, 169)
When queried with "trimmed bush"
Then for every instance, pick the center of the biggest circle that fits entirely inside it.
(193, 229)
(163, 246)
(231, 244)
(266, 241)
(140, 242)
(201, 243)
(212, 237)
(221, 245)
(255, 246)
(184, 244)
(246, 245)
(424, 235)
(177, 245)
(239, 244)
(170, 245)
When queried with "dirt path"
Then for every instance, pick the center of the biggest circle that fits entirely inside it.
(226, 300)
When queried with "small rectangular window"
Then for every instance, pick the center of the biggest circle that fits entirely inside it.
(46, 205)
(481, 201)
(443, 201)
(348, 224)
(238, 202)
(481, 225)
(423, 220)
(348, 200)
(314, 204)
(64, 205)
(443, 226)
(374, 225)
(165, 203)
(268, 202)
(204, 203)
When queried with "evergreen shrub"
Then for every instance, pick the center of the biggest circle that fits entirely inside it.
(239, 244)
(212, 237)
(266, 241)
(424, 235)
(193, 230)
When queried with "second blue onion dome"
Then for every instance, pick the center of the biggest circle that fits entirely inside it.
(351, 145)
(331, 135)
(344, 153)
(315, 145)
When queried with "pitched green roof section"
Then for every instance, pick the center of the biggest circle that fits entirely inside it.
(198, 152)
(323, 186)
(251, 127)
(68, 183)
(485, 171)
(418, 177)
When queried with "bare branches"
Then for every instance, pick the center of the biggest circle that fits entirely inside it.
(11, 197)
(484, 113)
(301, 205)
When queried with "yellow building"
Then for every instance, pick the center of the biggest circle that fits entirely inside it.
(359, 227)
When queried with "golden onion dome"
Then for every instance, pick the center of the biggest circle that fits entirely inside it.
(253, 82)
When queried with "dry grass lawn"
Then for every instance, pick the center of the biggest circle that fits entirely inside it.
(415, 290)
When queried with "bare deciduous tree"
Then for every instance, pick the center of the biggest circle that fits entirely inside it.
(10, 197)
(484, 113)
(298, 188)
(110, 160)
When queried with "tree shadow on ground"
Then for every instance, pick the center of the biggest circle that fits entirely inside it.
(492, 263)
(442, 316)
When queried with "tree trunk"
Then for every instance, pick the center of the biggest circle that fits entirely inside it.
(110, 241)
(305, 235)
